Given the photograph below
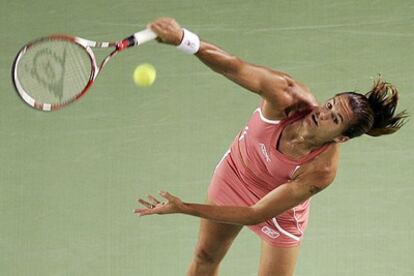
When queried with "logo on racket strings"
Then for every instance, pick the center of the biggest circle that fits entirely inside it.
(48, 69)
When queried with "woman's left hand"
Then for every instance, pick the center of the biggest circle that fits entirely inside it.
(154, 206)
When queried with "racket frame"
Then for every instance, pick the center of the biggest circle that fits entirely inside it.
(87, 45)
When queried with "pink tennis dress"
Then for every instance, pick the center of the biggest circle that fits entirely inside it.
(252, 168)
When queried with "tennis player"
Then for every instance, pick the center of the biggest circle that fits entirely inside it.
(287, 153)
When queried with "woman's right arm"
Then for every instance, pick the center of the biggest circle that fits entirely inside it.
(278, 89)
(272, 85)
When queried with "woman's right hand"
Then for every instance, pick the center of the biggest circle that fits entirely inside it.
(167, 30)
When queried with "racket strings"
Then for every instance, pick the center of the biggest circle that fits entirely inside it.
(53, 71)
(84, 70)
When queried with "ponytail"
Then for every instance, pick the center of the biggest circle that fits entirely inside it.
(383, 99)
(374, 111)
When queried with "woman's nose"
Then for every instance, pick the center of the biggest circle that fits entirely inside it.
(323, 115)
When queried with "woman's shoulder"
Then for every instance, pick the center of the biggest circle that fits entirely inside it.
(302, 95)
(322, 167)
(328, 160)
(302, 99)
(297, 97)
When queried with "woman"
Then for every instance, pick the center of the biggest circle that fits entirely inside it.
(288, 152)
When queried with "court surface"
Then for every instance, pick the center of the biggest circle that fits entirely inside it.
(69, 179)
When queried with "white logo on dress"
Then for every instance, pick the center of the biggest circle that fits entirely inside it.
(264, 152)
(270, 232)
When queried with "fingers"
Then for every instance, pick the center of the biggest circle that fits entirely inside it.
(143, 212)
(157, 28)
(167, 30)
(153, 200)
(164, 20)
(166, 195)
(154, 206)
(151, 208)
(161, 24)
(151, 203)
(146, 204)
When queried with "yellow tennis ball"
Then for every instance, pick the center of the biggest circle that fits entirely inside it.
(144, 75)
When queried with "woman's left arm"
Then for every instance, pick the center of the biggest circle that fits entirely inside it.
(281, 199)
(173, 205)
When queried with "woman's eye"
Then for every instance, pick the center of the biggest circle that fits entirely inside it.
(329, 105)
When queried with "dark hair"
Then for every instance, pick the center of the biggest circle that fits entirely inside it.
(374, 112)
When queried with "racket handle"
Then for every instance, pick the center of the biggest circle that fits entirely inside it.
(136, 39)
(144, 36)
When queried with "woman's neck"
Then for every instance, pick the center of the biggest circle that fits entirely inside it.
(296, 141)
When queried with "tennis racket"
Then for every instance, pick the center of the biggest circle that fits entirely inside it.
(52, 72)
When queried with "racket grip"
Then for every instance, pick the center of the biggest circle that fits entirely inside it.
(136, 39)
(144, 36)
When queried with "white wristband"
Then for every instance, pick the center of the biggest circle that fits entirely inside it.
(190, 43)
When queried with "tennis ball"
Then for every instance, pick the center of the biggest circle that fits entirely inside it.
(144, 75)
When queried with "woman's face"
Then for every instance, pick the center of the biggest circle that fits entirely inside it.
(329, 121)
